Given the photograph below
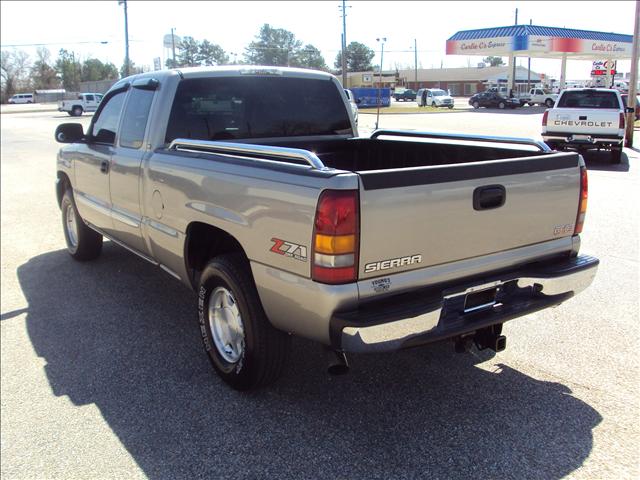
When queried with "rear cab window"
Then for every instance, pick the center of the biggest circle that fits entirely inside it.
(589, 99)
(256, 107)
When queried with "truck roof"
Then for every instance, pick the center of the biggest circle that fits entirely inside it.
(230, 70)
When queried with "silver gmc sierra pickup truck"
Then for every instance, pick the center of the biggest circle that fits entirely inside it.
(251, 186)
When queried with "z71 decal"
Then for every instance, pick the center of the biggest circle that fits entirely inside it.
(288, 249)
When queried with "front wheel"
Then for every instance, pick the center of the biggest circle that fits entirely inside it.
(450, 107)
(549, 103)
(501, 105)
(83, 243)
(476, 105)
(76, 111)
(246, 351)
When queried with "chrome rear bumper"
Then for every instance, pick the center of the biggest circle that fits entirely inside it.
(426, 316)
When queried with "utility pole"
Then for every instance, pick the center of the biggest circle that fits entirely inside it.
(381, 40)
(529, 65)
(173, 47)
(126, 38)
(344, 44)
(633, 80)
(415, 61)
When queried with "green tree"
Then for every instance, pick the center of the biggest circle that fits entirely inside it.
(310, 57)
(188, 52)
(273, 46)
(359, 58)
(69, 69)
(43, 75)
(493, 61)
(94, 70)
(211, 54)
(133, 69)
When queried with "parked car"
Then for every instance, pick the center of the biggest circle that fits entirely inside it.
(284, 222)
(404, 95)
(86, 102)
(584, 119)
(434, 97)
(21, 98)
(625, 97)
(493, 100)
(352, 103)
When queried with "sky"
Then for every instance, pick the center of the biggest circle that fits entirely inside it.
(81, 26)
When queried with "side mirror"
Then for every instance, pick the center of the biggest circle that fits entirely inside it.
(358, 100)
(629, 109)
(69, 133)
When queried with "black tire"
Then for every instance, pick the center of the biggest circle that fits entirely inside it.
(531, 104)
(501, 105)
(76, 111)
(83, 243)
(433, 104)
(450, 107)
(549, 103)
(616, 155)
(265, 350)
(475, 105)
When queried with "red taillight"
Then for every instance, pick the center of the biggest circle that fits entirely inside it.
(582, 202)
(622, 123)
(544, 118)
(336, 237)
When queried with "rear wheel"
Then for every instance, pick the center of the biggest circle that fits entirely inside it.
(501, 105)
(476, 105)
(450, 107)
(76, 111)
(83, 243)
(433, 104)
(246, 351)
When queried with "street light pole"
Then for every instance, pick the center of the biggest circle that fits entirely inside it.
(173, 47)
(415, 61)
(381, 40)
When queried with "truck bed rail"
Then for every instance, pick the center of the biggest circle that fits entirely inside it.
(295, 156)
(460, 136)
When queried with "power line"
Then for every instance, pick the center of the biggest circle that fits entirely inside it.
(103, 42)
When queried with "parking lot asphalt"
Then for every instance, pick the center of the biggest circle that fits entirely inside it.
(103, 374)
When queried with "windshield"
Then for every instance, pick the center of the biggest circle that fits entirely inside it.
(256, 107)
(438, 93)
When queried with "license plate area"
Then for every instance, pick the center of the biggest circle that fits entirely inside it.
(480, 300)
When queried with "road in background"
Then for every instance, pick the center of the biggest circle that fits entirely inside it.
(103, 374)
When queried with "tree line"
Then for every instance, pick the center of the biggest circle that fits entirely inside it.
(271, 46)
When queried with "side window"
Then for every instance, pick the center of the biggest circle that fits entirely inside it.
(105, 126)
(135, 118)
(89, 98)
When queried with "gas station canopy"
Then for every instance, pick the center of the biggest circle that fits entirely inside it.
(540, 42)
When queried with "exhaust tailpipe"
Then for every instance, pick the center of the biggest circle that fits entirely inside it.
(336, 362)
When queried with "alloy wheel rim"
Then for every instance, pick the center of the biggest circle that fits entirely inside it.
(225, 323)
(72, 226)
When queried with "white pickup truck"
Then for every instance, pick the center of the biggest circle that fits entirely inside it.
(86, 102)
(539, 96)
(586, 118)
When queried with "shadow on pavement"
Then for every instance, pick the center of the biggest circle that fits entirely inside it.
(600, 160)
(122, 335)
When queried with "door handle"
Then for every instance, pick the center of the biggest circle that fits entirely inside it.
(489, 197)
(104, 166)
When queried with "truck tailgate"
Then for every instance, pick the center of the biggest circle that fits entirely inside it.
(588, 122)
(418, 217)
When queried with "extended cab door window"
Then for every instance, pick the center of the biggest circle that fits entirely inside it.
(135, 118)
(105, 122)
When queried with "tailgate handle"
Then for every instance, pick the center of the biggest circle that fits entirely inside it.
(489, 197)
